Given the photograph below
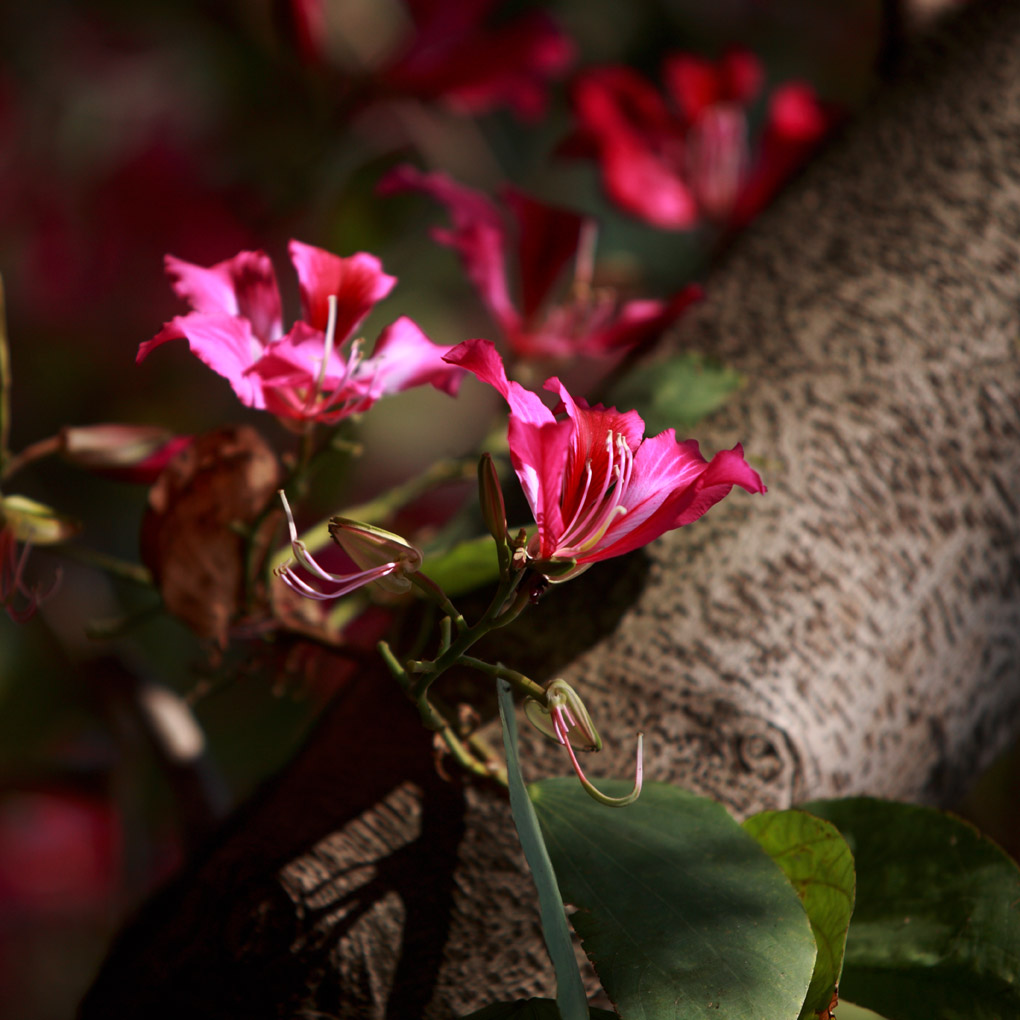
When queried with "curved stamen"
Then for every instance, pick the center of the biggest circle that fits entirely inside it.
(596, 503)
(581, 537)
(589, 786)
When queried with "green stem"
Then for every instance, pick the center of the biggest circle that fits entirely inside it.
(434, 720)
(112, 565)
(36, 451)
(436, 594)
(524, 685)
(429, 672)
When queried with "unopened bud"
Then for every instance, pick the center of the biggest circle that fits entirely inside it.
(490, 496)
(134, 453)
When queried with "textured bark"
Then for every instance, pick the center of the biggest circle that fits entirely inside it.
(856, 630)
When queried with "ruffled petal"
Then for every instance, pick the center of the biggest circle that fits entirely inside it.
(244, 285)
(404, 357)
(482, 358)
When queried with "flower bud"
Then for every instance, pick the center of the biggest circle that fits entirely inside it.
(490, 496)
(133, 453)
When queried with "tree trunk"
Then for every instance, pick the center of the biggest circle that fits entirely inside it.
(854, 631)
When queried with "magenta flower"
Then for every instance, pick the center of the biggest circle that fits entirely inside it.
(542, 240)
(596, 486)
(675, 158)
(235, 327)
(474, 67)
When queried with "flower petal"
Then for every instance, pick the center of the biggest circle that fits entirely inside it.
(357, 281)
(478, 235)
(404, 357)
(244, 285)
(224, 342)
(482, 358)
(548, 238)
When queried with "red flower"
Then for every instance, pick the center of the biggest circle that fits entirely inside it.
(456, 56)
(596, 486)
(671, 160)
(542, 239)
(235, 327)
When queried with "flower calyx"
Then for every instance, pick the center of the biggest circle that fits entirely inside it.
(565, 719)
(381, 556)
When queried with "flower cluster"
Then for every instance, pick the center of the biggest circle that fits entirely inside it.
(674, 158)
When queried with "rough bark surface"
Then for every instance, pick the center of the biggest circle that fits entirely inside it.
(857, 630)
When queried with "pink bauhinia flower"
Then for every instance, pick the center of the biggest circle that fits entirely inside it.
(596, 486)
(236, 328)
(542, 240)
(674, 158)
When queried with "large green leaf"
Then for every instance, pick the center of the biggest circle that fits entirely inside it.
(676, 393)
(936, 929)
(530, 1009)
(680, 911)
(570, 994)
(819, 865)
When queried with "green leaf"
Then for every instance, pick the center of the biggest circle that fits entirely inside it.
(465, 567)
(680, 911)
(570, 994)
(819, 865)
(530, 1009)
(936, 929)
(676, 393)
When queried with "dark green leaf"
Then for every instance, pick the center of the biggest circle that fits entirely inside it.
(530, 1009)
(936, 929)
(819, 865)
(570, 994)
(676, 393)
(679, 910)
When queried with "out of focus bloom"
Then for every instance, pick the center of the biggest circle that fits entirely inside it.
(541, 239)
(236, 328)
(381, 556)
(457, 55)
(128, 453)
(674, 159)
(596, 486)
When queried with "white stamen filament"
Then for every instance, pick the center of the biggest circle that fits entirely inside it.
(328, 345)
(347, 582)
(580, 536)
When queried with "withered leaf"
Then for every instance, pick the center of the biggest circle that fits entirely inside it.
(192, 536)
